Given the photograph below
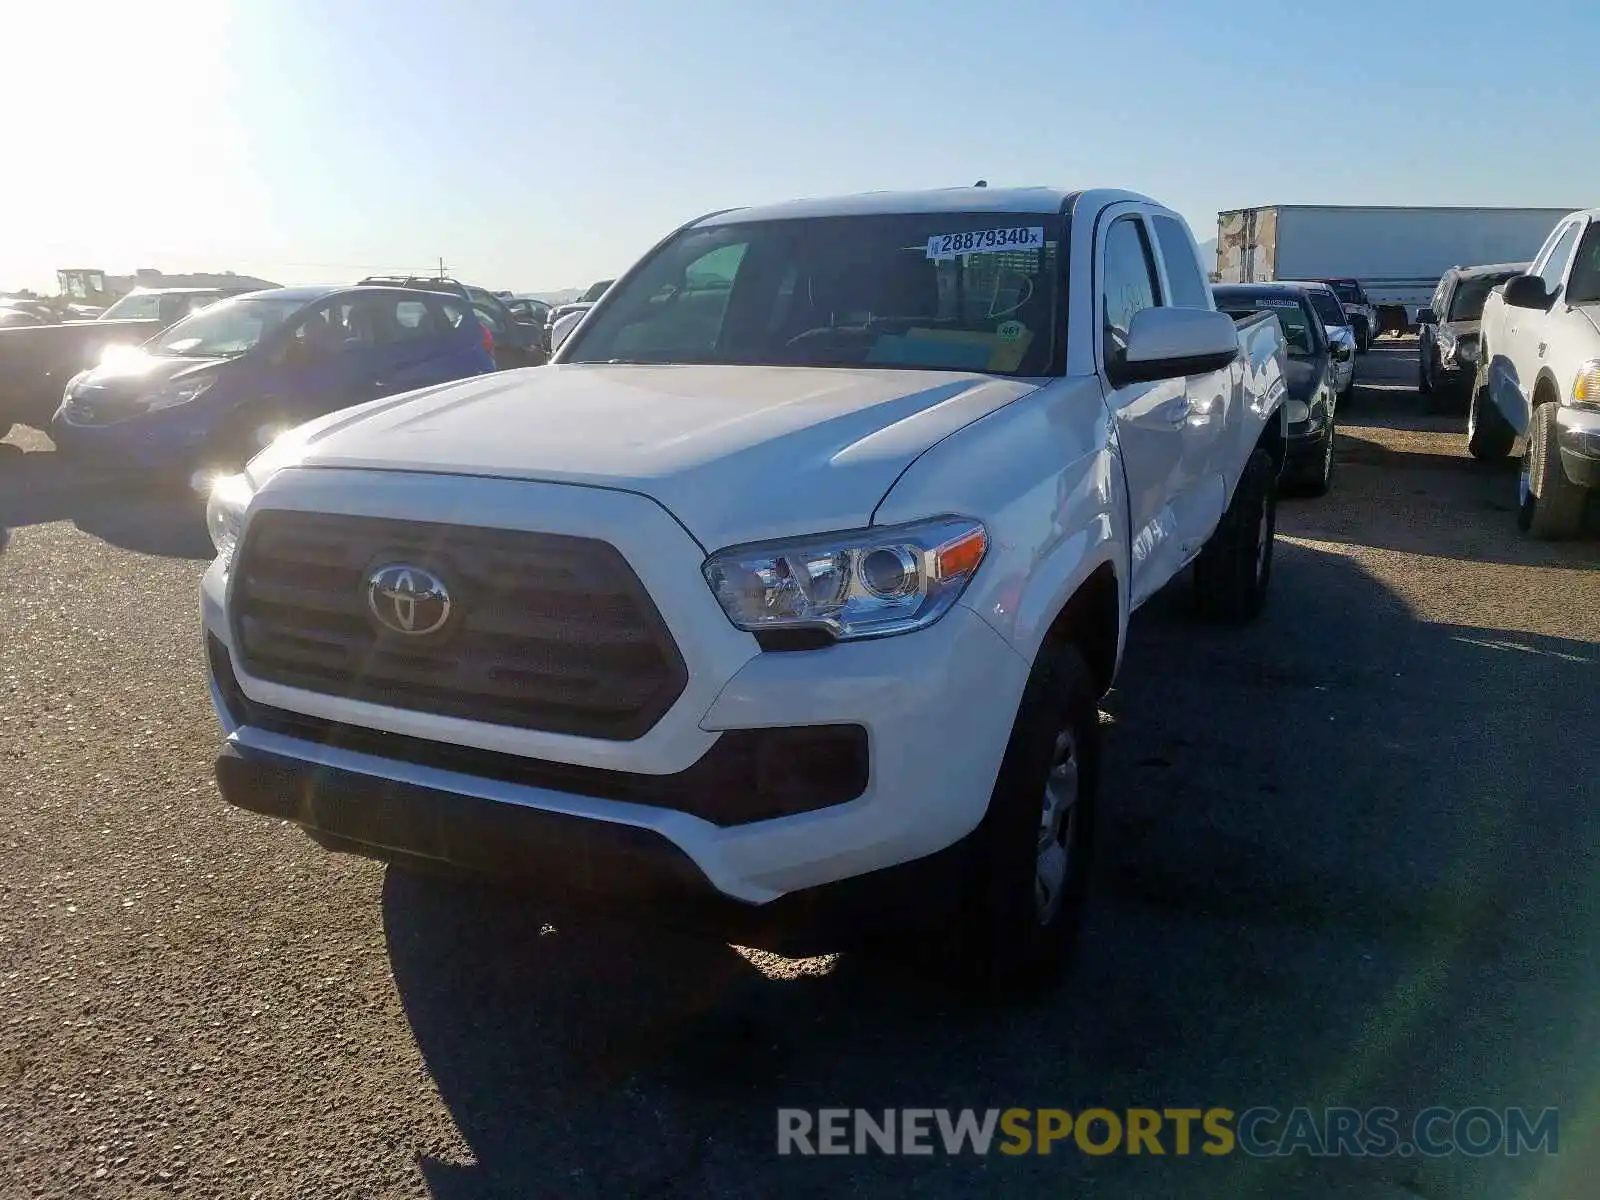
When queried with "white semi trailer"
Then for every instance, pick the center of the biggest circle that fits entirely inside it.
(1397, 254)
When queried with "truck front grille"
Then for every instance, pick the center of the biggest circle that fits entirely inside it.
(544, 631)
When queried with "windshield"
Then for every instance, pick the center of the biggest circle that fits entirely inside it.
(140, 305)
(1297, 336)
(1328, 307)
(959, 292)
(1467, 303)
(225, 330)
(596, 291)
(1347, 292)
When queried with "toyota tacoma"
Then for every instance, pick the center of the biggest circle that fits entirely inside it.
(784, 597)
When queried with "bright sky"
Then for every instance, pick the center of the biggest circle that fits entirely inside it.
(543, 144)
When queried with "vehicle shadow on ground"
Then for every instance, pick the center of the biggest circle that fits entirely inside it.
(1298, 900)
(130, 512)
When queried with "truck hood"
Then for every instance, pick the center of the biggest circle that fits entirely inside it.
(735, 453)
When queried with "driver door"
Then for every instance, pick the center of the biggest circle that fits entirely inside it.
(1150, 417)
(317, 368)
(1521, 348)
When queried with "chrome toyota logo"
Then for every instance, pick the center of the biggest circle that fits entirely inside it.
(408, 599)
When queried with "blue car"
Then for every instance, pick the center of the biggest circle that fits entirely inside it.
(207, 393)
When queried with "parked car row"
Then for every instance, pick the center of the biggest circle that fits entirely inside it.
(1319, 371)
(225, 373)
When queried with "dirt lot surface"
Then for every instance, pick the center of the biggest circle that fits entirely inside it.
(1347, 856)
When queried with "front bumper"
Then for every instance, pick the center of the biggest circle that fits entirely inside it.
(1578, 439)
(937, 707)
(609, 865)
(162, 440)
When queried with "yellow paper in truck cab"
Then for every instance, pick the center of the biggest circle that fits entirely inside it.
(1006, 347)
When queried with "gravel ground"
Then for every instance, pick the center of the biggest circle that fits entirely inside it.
(1347, 856)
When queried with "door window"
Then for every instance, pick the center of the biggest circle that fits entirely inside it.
(1128, 282)
(1583, 282)
(1556, 262)
(1188, 286)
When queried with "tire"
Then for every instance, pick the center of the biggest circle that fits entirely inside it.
(1363, 337)
(1550, 506)
(1317, 479)
(1014, 933)
(1489, 435)
(1235, 565)
(1424, 376)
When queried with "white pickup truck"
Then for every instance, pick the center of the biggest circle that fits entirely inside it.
(1538, 376)
(785, 595)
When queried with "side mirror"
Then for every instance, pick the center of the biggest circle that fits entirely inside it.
(1341, 351)
(1528, 291)
(1427, 317)
(1168, 343)
(562, 328)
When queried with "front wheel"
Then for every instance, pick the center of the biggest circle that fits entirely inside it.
(1235, 565)
(1029, 870)
(1549, 505)
(1489, 435)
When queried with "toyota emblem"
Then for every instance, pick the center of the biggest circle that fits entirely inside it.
(407, 599)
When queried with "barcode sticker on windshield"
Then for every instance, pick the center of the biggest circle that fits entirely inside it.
(984, 241)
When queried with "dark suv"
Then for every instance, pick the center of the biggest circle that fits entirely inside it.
(1447, 332)
(513, 343)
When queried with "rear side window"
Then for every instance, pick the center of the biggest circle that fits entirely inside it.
(455, 311)
(1328, 307)
(413, 321)
(1128, 285)
(1189, 288)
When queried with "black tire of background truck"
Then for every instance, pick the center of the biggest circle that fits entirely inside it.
(1424, 376)
(1002, 944)
(1363, 335)
(1550, 506)
(1316, 477)
(1489, 435)
(1235, 565)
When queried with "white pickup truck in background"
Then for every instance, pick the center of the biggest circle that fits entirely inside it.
(785, 595)
(1538, 377)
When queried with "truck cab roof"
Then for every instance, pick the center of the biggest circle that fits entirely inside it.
(934, 200)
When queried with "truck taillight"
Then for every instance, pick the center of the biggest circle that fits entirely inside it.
(488, 339)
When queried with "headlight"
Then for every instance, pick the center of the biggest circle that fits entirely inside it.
(171, 397)
(1297, 411)
(72, 384)
(1467, 350)
(1586, 385)
(870, 583)
(225, 508)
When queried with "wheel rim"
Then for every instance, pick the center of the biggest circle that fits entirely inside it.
(1056, 822)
